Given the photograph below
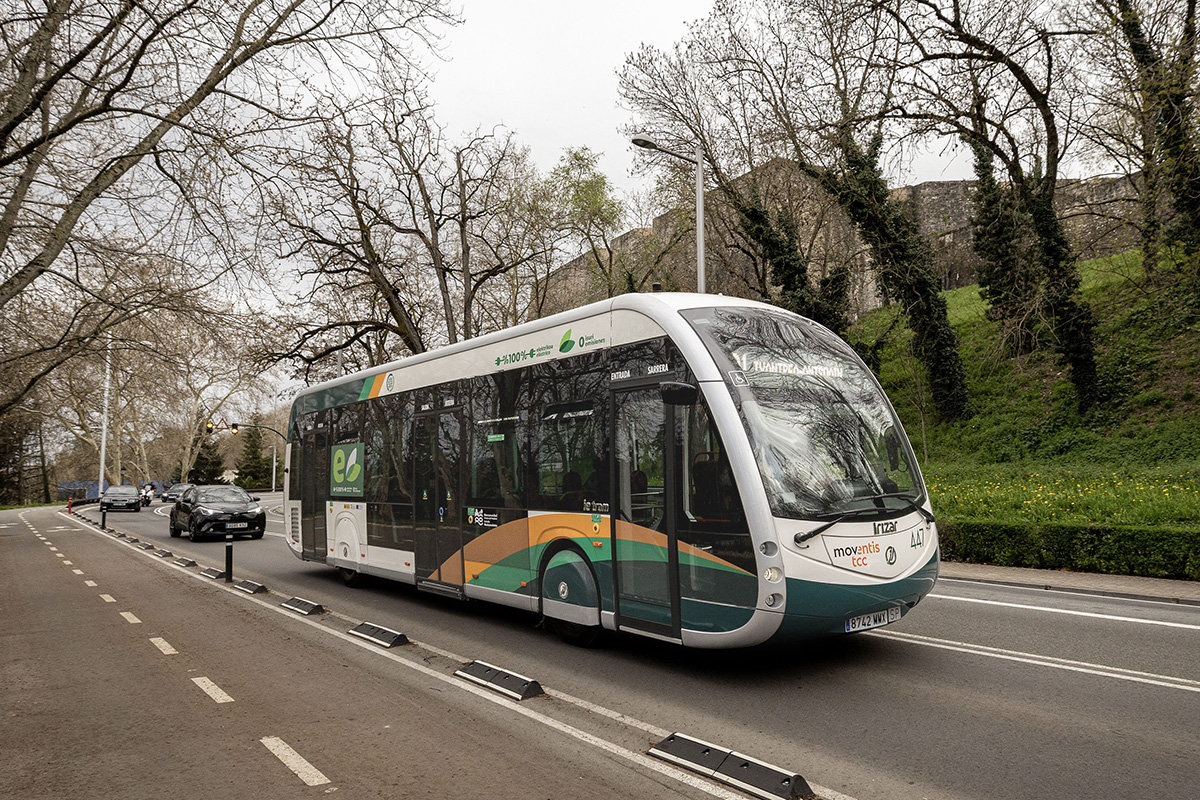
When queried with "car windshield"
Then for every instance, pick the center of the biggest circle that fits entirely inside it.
(825, 437)
(122, 490)
(224, 494)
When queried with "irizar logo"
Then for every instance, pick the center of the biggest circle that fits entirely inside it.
(885, 527)
(567, 342)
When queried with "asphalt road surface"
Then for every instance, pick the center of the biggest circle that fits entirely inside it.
(982, 692)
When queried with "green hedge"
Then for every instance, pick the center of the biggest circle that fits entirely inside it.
(1112, 549)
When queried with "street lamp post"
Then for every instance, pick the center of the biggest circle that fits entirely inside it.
(104, 416)
(649, 144)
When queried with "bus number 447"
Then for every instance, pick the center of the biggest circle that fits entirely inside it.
(917, 539)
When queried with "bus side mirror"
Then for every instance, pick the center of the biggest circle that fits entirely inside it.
(675, 393)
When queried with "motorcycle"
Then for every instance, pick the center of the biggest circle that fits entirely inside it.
(147, 494)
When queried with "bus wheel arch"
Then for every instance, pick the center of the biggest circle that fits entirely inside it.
(569, 594)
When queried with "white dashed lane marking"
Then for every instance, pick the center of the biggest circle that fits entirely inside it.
(162, 645)
(90, 583)
(212, 690)
(108, 598)
(130, 618)
(294, 761)
(77, 571)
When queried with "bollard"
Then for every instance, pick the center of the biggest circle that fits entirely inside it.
(229, 558)
(69, 499)
(103, 524)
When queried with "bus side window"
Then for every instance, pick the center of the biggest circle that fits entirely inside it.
(389, 500)
(568, 434)
(499, 449)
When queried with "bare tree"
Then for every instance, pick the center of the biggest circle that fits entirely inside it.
(804, 82)
(116, 123)
(988, 73)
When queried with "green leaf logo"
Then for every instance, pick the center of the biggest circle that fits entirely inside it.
(567, 342)
(346, 473)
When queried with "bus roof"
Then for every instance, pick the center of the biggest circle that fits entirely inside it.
(662, 307)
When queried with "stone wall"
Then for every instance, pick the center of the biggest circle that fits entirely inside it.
(1096, 214)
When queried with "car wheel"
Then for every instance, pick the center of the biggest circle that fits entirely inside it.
(173, 529)
(193, 534)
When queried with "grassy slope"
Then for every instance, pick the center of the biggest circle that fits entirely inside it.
(1026, 453)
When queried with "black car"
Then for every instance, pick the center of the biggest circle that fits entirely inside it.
(217, 511)
(124, 498)
(172, 494)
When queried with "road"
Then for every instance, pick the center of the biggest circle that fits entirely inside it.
(982, 692)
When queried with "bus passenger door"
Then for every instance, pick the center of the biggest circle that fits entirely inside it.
(314, 490)
(437, 443)
(645, 549)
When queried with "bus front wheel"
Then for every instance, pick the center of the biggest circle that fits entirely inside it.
(352, 577)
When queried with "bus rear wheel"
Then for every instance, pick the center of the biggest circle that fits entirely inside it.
(352, 577)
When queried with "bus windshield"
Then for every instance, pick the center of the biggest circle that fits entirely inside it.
(825, 438)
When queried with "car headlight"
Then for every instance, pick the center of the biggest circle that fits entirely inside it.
(255, 510)
(205, 512)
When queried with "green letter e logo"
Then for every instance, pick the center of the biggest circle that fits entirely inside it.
(346, 473)
(567, 342)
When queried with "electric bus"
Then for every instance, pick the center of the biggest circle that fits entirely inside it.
(710, 471)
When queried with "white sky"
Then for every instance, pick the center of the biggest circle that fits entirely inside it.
(547, 69)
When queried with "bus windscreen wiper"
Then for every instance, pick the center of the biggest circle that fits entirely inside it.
(909, 503)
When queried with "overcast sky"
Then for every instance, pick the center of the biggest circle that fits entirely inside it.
(547, 69)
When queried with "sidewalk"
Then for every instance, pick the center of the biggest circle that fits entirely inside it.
(1186, 592)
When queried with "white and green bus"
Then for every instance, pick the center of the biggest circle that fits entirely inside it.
(705, 470)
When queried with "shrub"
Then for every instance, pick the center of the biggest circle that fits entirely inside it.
(1154, 552)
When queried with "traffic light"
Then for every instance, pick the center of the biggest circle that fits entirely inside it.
(208, 426)
(234, 428)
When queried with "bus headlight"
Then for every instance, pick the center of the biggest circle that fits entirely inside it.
(772, 574)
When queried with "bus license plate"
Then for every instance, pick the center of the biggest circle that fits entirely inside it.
(231, 525)
(876, 620)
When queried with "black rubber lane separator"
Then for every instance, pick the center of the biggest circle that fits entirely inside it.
(385, 637)
(249, 587)
(212, 572)
(184, 561)
(748, 774)
(509, 684)
(302, 606)
(163, 553)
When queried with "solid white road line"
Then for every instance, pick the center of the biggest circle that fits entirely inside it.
(1091, 614)
(212, 690)
(130, 618)
(162, 645)
(294, 761)
(1103, 670)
